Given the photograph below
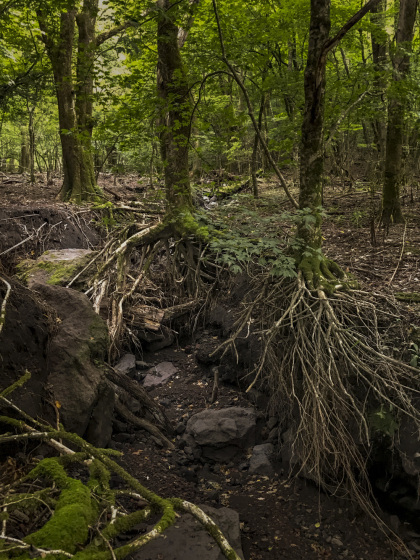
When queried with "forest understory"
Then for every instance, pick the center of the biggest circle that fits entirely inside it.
(303, 521)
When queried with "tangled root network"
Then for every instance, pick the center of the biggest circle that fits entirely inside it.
(327, 369)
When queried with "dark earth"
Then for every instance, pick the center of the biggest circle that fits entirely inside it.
(281, 518)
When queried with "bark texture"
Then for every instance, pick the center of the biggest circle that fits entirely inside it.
(175, 111)
(391, 204)
(74, 110)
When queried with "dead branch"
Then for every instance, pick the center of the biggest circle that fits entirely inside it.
(142, 423)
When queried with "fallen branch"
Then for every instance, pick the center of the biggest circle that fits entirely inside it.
(4, 303)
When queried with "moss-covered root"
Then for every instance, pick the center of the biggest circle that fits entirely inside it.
(320, 273)
(209, 525)
(74, 512)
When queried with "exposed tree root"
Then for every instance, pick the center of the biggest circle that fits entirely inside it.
(134, 256)
(328, 370)
(82, 510)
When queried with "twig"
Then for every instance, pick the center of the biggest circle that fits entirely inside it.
(4, 303)
(42, 551)
(23, 240)
(401, 255)
(212, 528)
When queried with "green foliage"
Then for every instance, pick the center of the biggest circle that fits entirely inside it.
(383, 420)
(244, 232)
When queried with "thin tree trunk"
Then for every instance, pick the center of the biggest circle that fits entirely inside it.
(255, 149)
(175, 111)
(24, 151)
(391, 204)
(379, 41)
(311, 151)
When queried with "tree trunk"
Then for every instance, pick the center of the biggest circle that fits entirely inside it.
(255, 149)
(379, 56)
(317, 270)
(79, 178)
(311, 150)
(24, 151)
(391, 204)
(31, 154)
(175, 112)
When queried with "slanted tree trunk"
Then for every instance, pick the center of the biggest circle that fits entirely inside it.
(175, 111)
(317, 270)
(391, 204)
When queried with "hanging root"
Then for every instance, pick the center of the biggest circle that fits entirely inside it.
(327, 371)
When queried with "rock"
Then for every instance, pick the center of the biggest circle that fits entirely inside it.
(336, 541)
(55, 267)
(100, 425)
(55, 334)
(180, 429)
(408, 445)
(159, 374)
(80, 342)
(272, 422)
(188, 540)
(221, 434)
(127, 364)
(273, 436)
(260, 462)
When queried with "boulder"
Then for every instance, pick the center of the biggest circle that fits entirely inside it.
(260, 462)
(54, 267)
(54, 333)
(127, 365)
(160, 374)
(221, 434)
(188, 540)
(75, 351)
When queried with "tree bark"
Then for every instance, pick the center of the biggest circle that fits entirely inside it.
(311, 150)
(379, 41)
(175, 111)
(79, 180)
(391, 204)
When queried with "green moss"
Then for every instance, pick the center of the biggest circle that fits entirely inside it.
(186, 224)
(124, 524)
(59, 271)
(74, 512)
(21, 381)
(325, 274)
(409, 297)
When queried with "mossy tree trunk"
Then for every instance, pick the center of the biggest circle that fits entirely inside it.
(175, 111)
(79, 180)
(391, 204)
(74, 88)
(317, 270)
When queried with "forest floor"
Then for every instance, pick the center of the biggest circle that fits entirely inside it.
(280, 518)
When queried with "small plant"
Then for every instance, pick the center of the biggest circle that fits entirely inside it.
(383, 420)
(357, 217)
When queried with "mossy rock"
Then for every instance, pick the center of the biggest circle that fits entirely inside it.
(56, 268)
